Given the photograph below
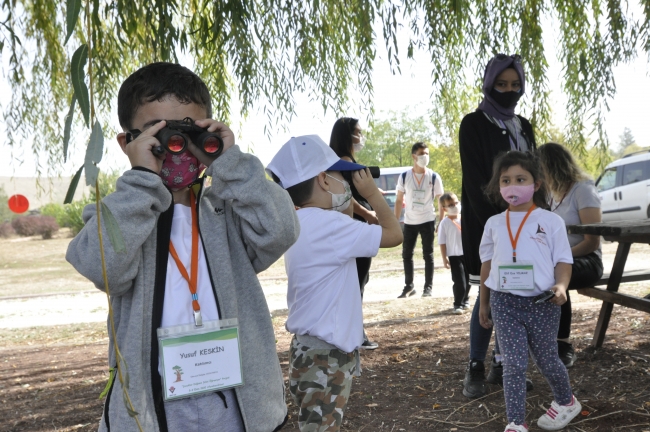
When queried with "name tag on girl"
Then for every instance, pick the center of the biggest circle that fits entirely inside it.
(519, 276)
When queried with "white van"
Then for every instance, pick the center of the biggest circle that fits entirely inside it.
(387, 182)
(624, 188)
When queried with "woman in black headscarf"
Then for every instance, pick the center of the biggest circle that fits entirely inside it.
(490, 130)
(346, 140)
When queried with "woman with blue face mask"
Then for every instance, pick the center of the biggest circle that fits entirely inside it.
(492, 129)
(347, 140)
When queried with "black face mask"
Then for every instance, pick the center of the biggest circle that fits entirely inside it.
(505, 99)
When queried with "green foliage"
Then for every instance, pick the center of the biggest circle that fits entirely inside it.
(389, 141)
(6, 215)
(264, 51)
(57, 211)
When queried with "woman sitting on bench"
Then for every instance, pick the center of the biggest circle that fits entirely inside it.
(574, 198)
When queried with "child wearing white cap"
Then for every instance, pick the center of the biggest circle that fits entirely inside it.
(324, 302)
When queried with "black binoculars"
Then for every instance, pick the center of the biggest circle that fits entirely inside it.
(174, 136)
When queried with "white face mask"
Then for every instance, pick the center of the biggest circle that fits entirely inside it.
(422, 160)
(358, 146)
(340, 202)
(453, 211)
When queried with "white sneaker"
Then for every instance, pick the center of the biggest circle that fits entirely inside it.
(516, 428)
(558, 416)
(458, 311)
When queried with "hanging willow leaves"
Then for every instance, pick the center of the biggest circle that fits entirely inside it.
(72, 15)
(78, 75)
(68, 127)
(264, 52)
(94, 153)
(69, 196)
(113, 230)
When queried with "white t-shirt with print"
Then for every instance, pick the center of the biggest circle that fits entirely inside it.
(543, 241)
(419, 192)
(323, 297)
(449, 234)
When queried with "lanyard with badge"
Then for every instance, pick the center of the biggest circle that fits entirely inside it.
(517, 275)
(418, 193)
(203, 357)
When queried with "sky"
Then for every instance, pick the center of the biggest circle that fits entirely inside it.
(411, 89)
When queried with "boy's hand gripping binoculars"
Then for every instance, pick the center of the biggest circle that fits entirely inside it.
(175, 135)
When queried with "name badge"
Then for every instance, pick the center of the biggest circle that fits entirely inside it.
(519, 276)
(418, 195)
(417, 206)
(200, 360)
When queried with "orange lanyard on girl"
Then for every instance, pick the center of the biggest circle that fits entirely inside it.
(514, 241)
(419, 183)
(457, 225)
(194, 264)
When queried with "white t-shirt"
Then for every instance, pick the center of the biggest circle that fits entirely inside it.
(419, 192)
(449, 235)
(177, 307)
(324, 299)
(543, 241)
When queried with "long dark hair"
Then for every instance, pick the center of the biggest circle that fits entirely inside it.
(341, 138)
(530, 163)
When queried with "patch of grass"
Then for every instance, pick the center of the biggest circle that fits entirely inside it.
(70, 334)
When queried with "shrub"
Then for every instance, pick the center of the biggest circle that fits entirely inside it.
(57, 211)
(33, 225)
(6, 230)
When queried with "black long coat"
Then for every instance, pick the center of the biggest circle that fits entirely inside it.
(480, 142)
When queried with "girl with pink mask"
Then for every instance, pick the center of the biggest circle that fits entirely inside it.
(526, 268)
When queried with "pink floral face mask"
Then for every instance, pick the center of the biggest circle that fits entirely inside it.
(180, 171)
(518, 194)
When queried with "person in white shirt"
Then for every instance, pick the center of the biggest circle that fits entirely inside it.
(421, 187)
(451, 249)
(526, 267)
(323, 296)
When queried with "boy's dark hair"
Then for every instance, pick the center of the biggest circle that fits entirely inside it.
(446, 197)
(417, 146)
(157, 81)
(341, 138)
(528, 162)
(300, 193)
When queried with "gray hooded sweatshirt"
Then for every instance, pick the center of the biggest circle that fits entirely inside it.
(246, 223)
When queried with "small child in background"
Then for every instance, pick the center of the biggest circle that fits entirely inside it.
(451, 249)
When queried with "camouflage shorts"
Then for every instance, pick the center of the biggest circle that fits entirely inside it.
(320, 382)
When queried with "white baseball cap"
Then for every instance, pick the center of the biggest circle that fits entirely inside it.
(303, 158)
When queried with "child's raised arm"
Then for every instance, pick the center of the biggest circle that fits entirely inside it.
(391, 234)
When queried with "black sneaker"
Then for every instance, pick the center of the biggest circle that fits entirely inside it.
(369, 345)
(426, 292)
(495, 376)
(408, 292)
(566, 353)
(474, 383)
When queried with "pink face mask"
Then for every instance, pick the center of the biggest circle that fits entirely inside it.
(518, 194)
(180, 171)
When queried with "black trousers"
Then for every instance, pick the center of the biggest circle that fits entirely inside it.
(427, 231)
(460, 277)
(586, 271)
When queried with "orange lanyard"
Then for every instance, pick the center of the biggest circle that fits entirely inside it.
(514, 241)
(194, 264)
(419, 183)
(457, 226)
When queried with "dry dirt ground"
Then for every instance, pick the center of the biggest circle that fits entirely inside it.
(52, 377)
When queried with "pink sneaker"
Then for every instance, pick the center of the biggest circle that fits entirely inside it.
(558, 416)
(516, 428)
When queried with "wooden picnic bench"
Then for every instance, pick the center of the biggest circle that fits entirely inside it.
(624, 233)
